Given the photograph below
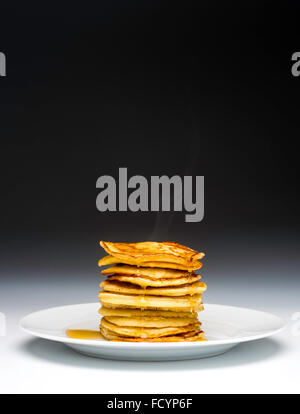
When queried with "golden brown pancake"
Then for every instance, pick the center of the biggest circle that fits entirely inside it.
(128, 288)
(180, 303)
(149, 272)
(133, 313)
(146, 281)
(137, 332)
(152, 251)
(107, 260)
(185, 337)
(150, 321)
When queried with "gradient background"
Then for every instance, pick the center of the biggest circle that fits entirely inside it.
(185, 90)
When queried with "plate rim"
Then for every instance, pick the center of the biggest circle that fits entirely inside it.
(114, 344)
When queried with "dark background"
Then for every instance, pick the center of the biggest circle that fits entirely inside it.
(160, 88)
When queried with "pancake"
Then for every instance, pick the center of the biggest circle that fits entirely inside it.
(128, 288)
(152, 251)
(181, 303)
(138, 332)
(146, 281)
(107, 260)
(149, 272)
(150, 321)
(185, 337)
(133, 313)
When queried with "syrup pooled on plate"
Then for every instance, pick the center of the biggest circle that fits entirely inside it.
(83, 334)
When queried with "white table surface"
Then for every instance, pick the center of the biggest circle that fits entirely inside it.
(31, 365)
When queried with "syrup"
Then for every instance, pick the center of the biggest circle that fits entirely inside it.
(83, 334)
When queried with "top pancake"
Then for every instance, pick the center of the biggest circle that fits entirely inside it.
(164, 252)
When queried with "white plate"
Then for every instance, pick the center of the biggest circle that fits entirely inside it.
(224, 327)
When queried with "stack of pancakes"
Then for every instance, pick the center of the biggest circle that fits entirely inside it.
(152, 293)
